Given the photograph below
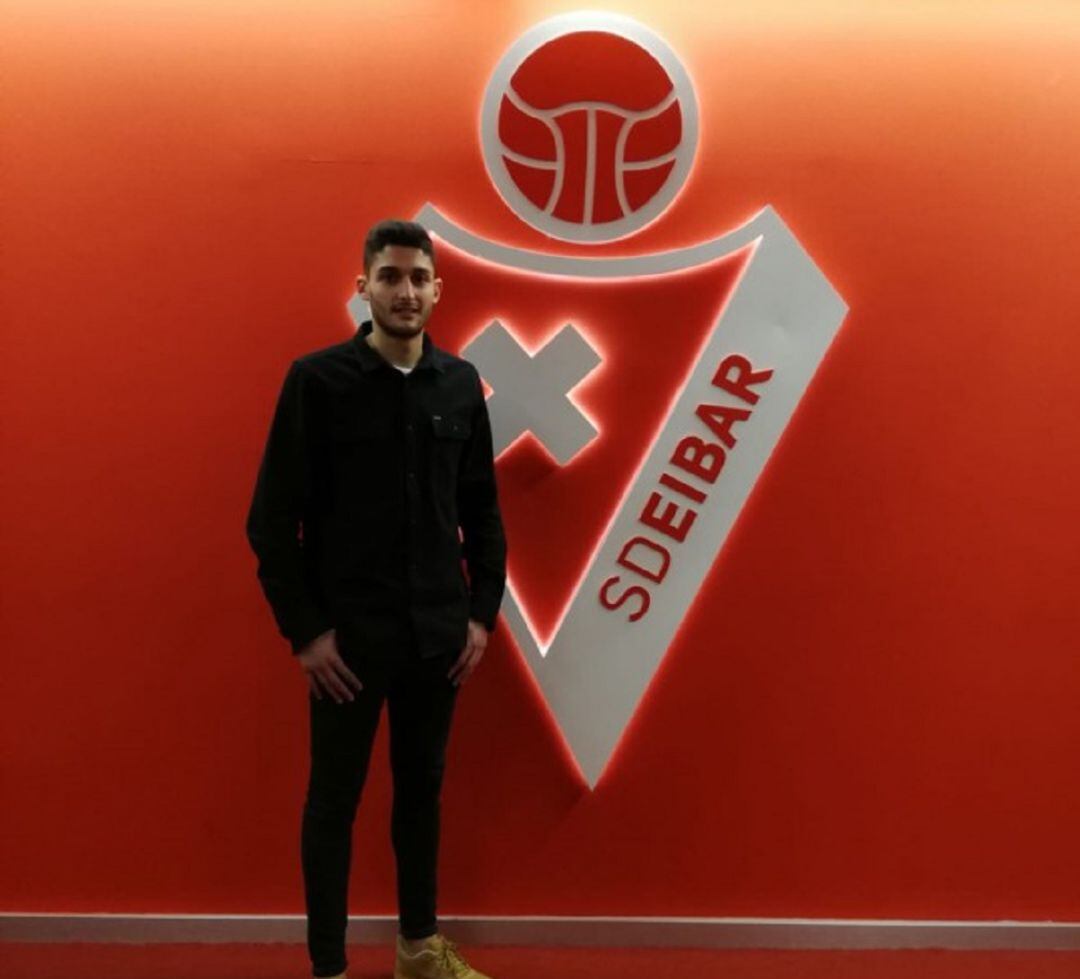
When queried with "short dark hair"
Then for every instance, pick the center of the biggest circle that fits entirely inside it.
(407, 234)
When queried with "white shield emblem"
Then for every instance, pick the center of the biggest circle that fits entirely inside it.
(691, 437)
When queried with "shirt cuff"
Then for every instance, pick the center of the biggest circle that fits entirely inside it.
(484, 611)
(312, 630)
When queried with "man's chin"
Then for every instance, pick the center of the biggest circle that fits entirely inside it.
(403, 331)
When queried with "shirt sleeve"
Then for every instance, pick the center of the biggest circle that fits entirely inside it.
(483, 538)
(275, 520)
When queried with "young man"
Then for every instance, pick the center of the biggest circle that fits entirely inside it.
(379, 453)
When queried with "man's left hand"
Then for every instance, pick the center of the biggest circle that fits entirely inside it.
(470, 655)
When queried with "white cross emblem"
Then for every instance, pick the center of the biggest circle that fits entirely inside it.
(532, 391)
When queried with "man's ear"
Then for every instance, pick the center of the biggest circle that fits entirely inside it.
(361, 286)
(437, 290)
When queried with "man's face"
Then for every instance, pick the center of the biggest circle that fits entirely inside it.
(401, 288)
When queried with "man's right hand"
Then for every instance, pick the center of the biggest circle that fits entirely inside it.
(326, 670)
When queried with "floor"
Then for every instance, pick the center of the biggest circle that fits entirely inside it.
(102, 961)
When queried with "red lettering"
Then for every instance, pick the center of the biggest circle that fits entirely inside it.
(665, 521)
(699, 458)
(735, 375)
(720, 418)
(636, 591)
(680, 487)
(665, 558)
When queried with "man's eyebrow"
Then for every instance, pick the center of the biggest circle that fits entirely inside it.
(396, 269)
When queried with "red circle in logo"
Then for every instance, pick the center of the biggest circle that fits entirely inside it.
(585, 129)
(598, 114)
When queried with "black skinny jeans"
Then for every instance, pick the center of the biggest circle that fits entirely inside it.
(420, 703)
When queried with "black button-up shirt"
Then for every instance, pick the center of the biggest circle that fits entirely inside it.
(374, 487)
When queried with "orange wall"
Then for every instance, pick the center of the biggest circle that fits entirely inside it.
(871, 711)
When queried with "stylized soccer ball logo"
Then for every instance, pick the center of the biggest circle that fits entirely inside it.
(589, 127)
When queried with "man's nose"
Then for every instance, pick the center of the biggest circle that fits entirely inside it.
(408, 289)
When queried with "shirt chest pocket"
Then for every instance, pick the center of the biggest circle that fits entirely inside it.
(449, 435)
(450, 429)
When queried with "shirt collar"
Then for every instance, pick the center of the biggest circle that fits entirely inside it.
(370, 359)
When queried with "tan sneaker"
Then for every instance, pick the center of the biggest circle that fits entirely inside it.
(438, 959)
